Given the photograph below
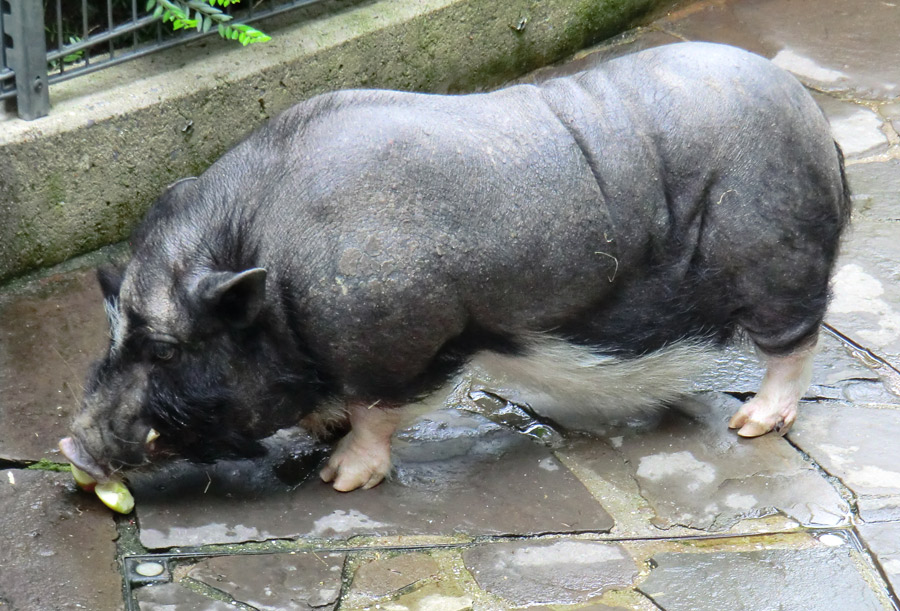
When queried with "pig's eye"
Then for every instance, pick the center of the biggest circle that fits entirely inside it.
(163, 351)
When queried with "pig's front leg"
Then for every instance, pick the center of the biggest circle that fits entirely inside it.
(363, 457)
(775, 405)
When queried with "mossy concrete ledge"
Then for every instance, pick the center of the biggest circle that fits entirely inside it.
(82, 177)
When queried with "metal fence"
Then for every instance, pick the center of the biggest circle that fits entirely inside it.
(48, 41)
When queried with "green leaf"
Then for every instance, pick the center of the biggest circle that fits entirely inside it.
(202, 14)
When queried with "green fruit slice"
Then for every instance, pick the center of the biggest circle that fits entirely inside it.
(115, 496)
(84, 481)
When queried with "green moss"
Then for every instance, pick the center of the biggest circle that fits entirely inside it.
(595, 21)
(47, 465)
(129, 541)
(252, 547)
(55, 188)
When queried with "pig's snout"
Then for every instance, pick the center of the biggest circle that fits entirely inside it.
(74, 451)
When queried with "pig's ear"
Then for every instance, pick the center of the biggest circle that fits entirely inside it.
(110, 278)
(236, 297)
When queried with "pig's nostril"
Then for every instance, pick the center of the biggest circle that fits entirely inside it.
(67, 447)
(78, 456)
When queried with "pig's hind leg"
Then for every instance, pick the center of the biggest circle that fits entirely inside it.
(784, 326)
(780, 298)
(774, 408)
(362, 459)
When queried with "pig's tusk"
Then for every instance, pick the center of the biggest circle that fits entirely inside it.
(152, 435)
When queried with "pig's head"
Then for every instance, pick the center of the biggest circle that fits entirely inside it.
(197, 367)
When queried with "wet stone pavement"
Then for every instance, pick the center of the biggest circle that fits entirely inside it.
(486, 510)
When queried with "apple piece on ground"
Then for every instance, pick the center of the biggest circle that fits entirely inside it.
(116, 496)
(84, 481)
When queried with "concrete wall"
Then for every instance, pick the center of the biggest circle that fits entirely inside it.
(83, 176)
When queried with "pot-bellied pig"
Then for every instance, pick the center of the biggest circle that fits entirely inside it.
(592, 235)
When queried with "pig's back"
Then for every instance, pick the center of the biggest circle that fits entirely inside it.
(524, 208)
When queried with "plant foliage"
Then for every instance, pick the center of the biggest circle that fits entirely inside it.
(201, 15)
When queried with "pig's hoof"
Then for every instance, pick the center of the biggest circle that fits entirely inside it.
(357, 464)
(758, 416)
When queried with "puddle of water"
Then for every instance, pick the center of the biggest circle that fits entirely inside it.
(513, 416)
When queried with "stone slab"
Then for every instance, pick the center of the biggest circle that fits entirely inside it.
(692, 472)
(858, 129)
(387, 576)
(455, 475)
(276, 582)
(859, 446)
(829, 44)
(883, 540)
(441, 596)
(561, 571)
(173, 597)
(866, 285)
(591, 607)
(49, 334)
(815, 579)
(876, 190)
(695, 472)
(58, 545)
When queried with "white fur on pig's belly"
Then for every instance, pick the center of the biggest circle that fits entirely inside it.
(583, 391)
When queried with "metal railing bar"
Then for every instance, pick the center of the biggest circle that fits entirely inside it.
(28, 56)
(2, 42)
(276, 10)
(116, 56)
(141, 52)
(73, 72)
(6, 74)
(145, 21)
(93, 41)
(110, 24)
(59, 29)
(85, 28)
(134, 17)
